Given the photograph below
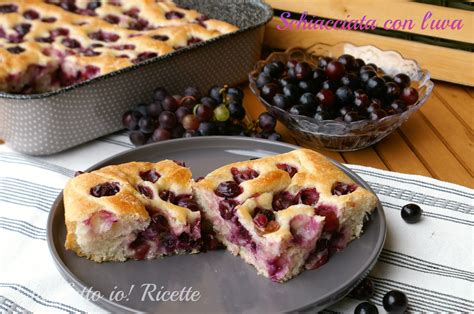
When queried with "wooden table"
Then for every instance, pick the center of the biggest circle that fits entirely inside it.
(436, 141)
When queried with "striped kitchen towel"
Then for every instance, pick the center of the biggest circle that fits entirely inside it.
(431, 261)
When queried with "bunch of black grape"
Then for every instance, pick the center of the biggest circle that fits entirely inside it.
(220, 112)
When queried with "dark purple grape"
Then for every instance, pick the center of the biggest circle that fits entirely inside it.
(287, 80)
(359, 63)
(308, 99)
(326, 98)
(236, 92)
(345, 109)
(267, 122)
(130, 120)
(364, 290)
(233, 98)
(334, 70)
(237, 111)
(366, 308)
(142, 109)
(402, 80)
(167, 120)
(307, 86)
(223, 128)
(322, 115)
(208, 101)
(324, 61)
(215, 93)
(204, 112)
(348, 61)
(161, 135)
(291, 63)
(93, 5)
(190, 133)
(398, 106)
(373, 66)
(188, 102)
(31, 14)
(68, 5)
(310, 110)
(291, 73)
(105, 189)
(146, 125)
(274, 137)
(376, 87)
(292, 92)
(344, 95)
(377, 114)
(207, 128)
(177, 132)
(393, 91)
(274, 69)
(280, 101)
(192, 91)
(298, 110)
(318, 76)
(366, 68)
(169, 103)
(154, 110)
(138, 138)
(302, 70)
(395, 301)
(411, 213)
(269, 90)
(22, 29)
(235, 129)
(388, 79)
(366, 76)
(374, 105)
(361, 101)
(330, 85)
(352, 116)
(160, 93)
(263, 79)
(228, 189)
(409, 95)
(350, 80)
(181, 112)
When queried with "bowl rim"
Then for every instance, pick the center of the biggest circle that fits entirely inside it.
(265, 18)
(425, 81)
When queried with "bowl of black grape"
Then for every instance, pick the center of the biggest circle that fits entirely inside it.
(340, 97)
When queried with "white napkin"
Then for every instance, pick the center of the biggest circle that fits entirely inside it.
(431, 261)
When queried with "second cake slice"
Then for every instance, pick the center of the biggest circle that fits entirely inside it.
(284, 213)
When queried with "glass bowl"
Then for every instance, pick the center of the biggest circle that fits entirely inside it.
(340, 135)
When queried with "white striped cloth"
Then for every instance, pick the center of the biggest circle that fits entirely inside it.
(431, 261)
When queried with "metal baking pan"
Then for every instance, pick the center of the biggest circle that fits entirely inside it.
(42, 124)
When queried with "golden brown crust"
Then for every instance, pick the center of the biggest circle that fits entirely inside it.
(314, 171)
(111, 57)
(128, 204)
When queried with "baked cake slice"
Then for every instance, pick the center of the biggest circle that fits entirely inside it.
(284, 213)
(137, 210)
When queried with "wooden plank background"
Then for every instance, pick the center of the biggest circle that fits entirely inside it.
(383, 11)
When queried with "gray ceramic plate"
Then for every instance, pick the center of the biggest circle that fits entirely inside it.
(226, 283)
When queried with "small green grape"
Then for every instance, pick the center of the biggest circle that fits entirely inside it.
(221, 113)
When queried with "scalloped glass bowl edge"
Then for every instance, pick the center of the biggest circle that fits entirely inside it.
(338, 135)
